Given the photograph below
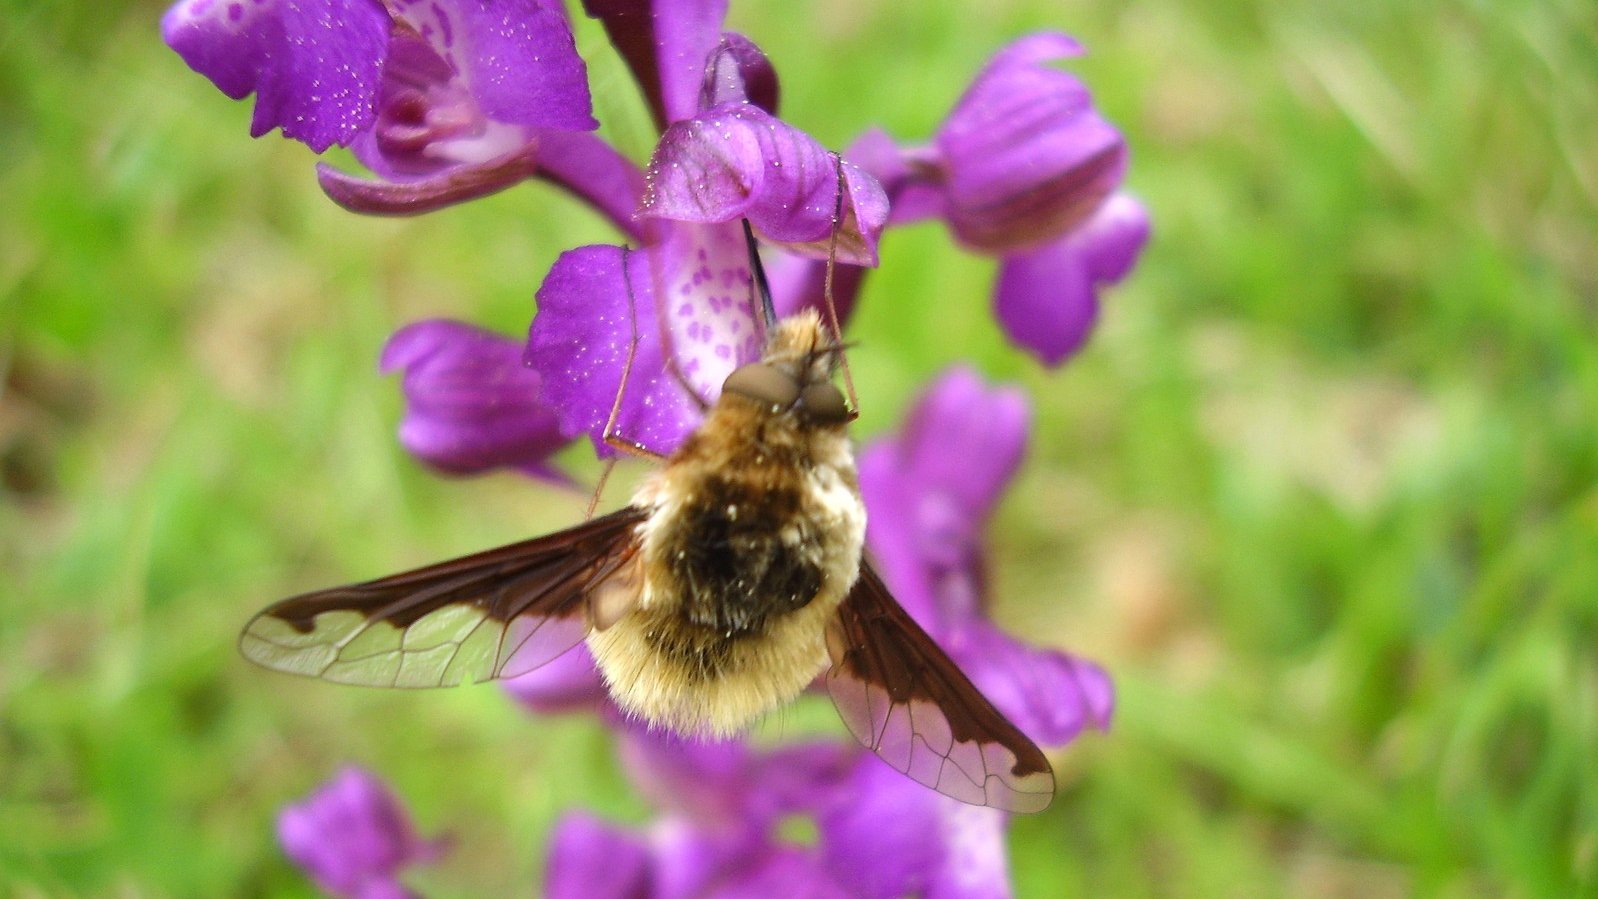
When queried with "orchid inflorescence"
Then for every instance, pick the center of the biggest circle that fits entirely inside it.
(445, 101)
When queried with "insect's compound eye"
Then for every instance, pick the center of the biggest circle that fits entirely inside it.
(824, 402)
(762, 383)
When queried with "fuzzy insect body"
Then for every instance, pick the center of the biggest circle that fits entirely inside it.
(752, 540)
(731, 582)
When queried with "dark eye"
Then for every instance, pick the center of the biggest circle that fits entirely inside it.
(824, 402)
(763, 384)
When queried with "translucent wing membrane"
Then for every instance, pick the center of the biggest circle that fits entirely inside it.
(498, 613)
(908, 702)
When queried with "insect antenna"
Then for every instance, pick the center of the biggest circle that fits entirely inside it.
(768, 309)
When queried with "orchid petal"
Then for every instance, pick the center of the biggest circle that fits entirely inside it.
(707, 292)
(595, 308)
(352, 836)
(1046, 298)
(595, 173)
(471, 403)
(705, 780)
(567, 683)
(738, 161)
(446, 187)
(665, 44)
(516, 58)
(1050, 695)
(314, 65)
(966, 440)
(590, 859)
(799, 282)
(785, 872)
(880, 833)
(891, 537)
(906, 176)
(1025, 155)
(976, 864)
(930, 490)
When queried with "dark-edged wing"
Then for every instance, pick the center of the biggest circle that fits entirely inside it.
(908, 702)
(498, 613)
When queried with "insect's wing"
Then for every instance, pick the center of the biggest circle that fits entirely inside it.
(498, 613)
(908, 702)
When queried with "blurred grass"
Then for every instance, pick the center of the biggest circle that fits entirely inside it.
(1323, 492)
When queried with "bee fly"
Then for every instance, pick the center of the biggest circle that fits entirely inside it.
(732, 581)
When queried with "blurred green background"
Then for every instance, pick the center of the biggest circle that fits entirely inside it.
(1322, 492)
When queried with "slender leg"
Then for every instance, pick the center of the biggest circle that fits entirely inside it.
(826, 288)
(611, 437)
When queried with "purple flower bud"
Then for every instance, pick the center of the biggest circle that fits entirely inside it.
(739, 72)
(471, 405)
(353, 838)
(1025, 155)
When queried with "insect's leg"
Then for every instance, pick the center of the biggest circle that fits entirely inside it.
(826, 287)
(599, 487)
(611, 437)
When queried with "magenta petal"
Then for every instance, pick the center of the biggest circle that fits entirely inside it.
(516, 58)
(739, 72)
(686, 33)
(737, 161)
(445, 188)
(471, 405)
(891, 837)
(784, 872)
(524, 66)
(880, 834)
(568, 683)
(930, 490)
(966, 439)
(352, 836)
(976, 864)
(595, 173)
(595, 303)
(799, 282)
(907, 176)
(1046, 299)
(313, 65)
(1025, 154)
(704, 277)
(1051, 696)
(590, 859)
(665, 44)
(891, 537)
(1113, 238)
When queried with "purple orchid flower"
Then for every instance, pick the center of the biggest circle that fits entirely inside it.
(1025, 169)
(445, 100)
(676, 315)
(930, 491)
(716, 836)
(353, 838)
(881, 835)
